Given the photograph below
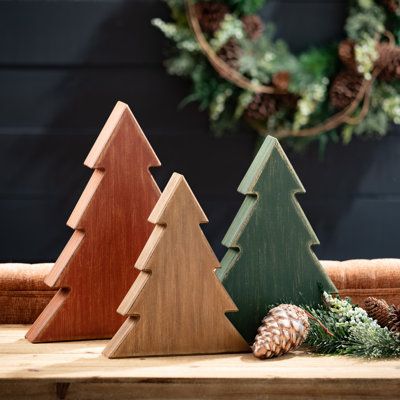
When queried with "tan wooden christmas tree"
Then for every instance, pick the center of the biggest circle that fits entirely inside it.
(94, 271)
(177, 304)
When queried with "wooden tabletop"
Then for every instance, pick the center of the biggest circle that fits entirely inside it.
(77, 370)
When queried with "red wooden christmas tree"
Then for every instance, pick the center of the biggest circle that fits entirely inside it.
(177, 305)
(95, 269)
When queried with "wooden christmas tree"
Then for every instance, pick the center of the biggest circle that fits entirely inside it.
(177, 305)
(269, 260)
(94, 271)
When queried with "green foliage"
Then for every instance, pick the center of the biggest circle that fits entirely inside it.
(262, 58)
(231, 27)
(311, 73)
(317, 63)
(182, 64)
(246, 6)
(365, 19)
(354, 333)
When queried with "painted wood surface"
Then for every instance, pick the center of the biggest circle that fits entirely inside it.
(77, 370)
(177, 305)
(95, 269)
(269, 258)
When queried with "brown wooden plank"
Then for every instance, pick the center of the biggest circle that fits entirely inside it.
(177, 305)
(35, 370)
(95, 269)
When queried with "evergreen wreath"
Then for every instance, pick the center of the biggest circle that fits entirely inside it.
(240, 72)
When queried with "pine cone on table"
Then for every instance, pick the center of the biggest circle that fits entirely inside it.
(378, 309)
(262, 107)
(210, 14)
(253, 26)
(345, 88)
(394, 320)
(230, 52)
(283, 329)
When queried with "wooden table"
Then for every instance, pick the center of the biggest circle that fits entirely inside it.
(77, 370)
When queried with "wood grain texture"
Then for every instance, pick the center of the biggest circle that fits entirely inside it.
(177, 305)
(95, 269)
(37, 370)
(269, 258)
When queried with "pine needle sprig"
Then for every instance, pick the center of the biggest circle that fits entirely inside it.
(354, 333)
(372, 342)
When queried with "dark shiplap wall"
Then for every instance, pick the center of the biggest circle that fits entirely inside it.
(64, 63)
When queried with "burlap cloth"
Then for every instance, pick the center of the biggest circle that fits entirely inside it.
(23, 294)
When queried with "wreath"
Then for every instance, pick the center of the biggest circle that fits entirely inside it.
(240, 72)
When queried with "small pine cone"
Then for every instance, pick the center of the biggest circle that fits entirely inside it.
(391, 5)
(281, 80)
(283, 329)
(262, 106)
(345, 88)
(253, 26)
(378, 309)
(230, 52)
(210, 15)
(394, 320)
(347, 55)
(389, 60)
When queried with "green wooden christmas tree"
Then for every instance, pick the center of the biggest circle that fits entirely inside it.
(269, 258)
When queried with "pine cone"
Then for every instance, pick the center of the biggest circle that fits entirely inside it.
(287, 101)
(263, 106)
(394, 320)
(345, 88)
(389, 61)
(391, 5)
(210, 15)
(347, 55)
(281, 80)
(230, 52)
(253, 26)
(283, 329)
(378, 309)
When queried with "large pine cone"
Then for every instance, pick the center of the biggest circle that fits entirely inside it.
(389, 61)
(283, 329)
(262, 107)
(394, 320)
(230, 52)
(210, 14)
(253, 26)
(345, 88)
(378, 309)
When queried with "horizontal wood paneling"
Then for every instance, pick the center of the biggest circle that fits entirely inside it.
(52, 165)
(355, 228)
(64, 63)
(62, 32)
(368, 167)
(116, 32)
(79, 100)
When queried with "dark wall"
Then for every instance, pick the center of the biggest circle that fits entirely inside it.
(63, 65)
